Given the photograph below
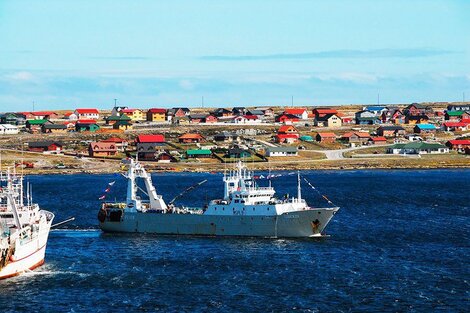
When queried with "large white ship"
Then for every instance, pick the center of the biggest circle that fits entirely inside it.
(244, 210)
(24, 227)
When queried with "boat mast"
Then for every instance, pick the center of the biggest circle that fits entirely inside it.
(299, 192)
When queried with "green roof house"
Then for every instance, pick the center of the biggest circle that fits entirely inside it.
(199, 153)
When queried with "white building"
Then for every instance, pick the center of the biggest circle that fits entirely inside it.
(92, 114)
(8, 129)
(281, 151)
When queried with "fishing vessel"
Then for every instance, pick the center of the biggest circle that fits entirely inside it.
(245, 209)
(24, 227)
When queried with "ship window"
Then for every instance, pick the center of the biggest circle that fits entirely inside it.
(243, 201)
(268, 209)
(253, 209)
(223, 209)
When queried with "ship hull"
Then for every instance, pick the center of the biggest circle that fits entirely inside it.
(305, 223)
(27, 256)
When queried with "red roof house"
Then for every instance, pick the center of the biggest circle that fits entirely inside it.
(286, 138)
(299, 112)
(458, 144)
(325, 137)
(189, 138)
(150, 138)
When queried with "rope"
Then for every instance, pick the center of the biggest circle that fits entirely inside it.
(323, 196)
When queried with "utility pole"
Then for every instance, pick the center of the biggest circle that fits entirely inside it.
(292, 101)
(115, 101)
(33, 106)
(463, 97)
(202, 101)
(378, 98)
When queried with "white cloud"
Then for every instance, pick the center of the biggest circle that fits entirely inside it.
(21, 76)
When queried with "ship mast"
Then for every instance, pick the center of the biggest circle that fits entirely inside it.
(299, 192)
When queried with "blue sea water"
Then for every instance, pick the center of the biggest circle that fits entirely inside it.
(399, 243)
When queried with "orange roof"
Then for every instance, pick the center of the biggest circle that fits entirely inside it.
(362, 134)
(325, 111)
(327, 135)
(190, 136)
(114, 139)
(285, 128)
(380, 138)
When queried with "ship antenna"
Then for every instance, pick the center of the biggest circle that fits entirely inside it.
(299, 192)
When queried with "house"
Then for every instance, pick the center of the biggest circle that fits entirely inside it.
(455, 126)
(325, 137)
(394, 116)
(34, 126)
(365, 117)
(375, 109)
(210, 119)
(416, 119)
(156, 115)
(328, 120)
(44, 115)
(222, 112)
(198, 153)
(12, 119)
(102, 149)
(180, 120)
(191, 138)
(306, 138)
(417, 109)
(458, 144)
(243, 119)
(239, 111)
(288, 129)
(424, 129)
(8, 129)
(112, 119)
(50, 128)
(45, 146)
(268, 112)
(87, 114)
(453, 115)
(346, 120)
(122, 125)
(121, 144)
(286, 118)
(117, 110)
(134, 114)
(417, 148)
(70, 116)
(227, 137)
(237, 153)
(377, 140)
(165, 157)
(458, 107)
(149, 151)
(258, 113)
(301, 113)
(281, 151)
(355, 137)
(286, 138)
(391, 131)
(197, 118)
(321, 112)
(86, 127)
(150, 139)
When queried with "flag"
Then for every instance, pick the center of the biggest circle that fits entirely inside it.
(102, 197)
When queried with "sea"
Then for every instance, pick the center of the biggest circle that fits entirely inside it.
(400, 243)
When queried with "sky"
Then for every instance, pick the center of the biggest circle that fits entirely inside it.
(86, 53)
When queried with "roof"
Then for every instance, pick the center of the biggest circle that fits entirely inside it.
(118, 118)
(289, 116)
(40, 144)
(54, 126)
(157, 110)
(122, 123)
(87, 111)
(327, 135)
(295, 111)
(226, 134)
(418, 146)
(380, 138)
(285, 128)
(150, 138)
(358, 134)
(459, 142)
(114, 139)
(250, 117)
(465, 120)
(198, 116)
(255, 112)
(199, 152)
(454, 124)
(281, 149)
(86, 121)
(426, 126)
(327, 116)
(306, 138)
(283, 136)
(103, 146)
(325, 111)
(455, 113)
(41, 113)
(375, 108)
(190, 136)
(391, 128)
(36, 122)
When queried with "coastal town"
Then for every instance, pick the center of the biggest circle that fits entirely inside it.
(417, 135)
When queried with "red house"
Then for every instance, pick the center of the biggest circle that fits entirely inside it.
(287, 118)
(378, 140)
(455, 126)
(321, 112)
(326, 137)
(458, 144)
(43, 146)
(190, 138)
(286, 138)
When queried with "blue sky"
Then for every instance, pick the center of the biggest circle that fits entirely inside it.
(67, 54)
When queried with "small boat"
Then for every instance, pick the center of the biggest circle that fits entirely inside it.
(245, 209)
(24, 228)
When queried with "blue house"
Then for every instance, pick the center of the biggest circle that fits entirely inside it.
(424, 128)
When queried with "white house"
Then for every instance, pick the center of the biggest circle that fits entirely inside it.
(92, 114)
(8, 129)
(281, 151)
